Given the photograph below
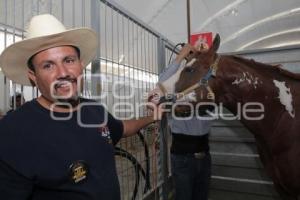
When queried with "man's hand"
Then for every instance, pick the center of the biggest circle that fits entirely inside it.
(155, 95)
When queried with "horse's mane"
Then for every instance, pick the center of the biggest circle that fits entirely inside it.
(275, 68)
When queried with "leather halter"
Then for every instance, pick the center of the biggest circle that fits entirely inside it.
(203, 82)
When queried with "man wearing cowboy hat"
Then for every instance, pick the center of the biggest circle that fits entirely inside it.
(58, 146)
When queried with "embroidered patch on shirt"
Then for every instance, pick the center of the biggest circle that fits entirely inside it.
(104, 131)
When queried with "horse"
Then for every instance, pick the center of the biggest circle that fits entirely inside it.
(231, 81)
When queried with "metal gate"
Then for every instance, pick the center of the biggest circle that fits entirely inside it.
(129, 58)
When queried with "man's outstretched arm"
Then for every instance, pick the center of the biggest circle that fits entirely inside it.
(131, 127)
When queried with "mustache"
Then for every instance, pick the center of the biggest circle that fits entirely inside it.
(64, 80)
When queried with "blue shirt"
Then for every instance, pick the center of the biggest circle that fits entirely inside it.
(194, 126)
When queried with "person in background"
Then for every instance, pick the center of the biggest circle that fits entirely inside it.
(190, 156)
(58, 146)
(19, 102)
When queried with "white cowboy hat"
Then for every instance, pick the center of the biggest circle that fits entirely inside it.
(44, 32)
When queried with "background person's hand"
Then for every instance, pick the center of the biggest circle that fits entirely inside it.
(185, 51)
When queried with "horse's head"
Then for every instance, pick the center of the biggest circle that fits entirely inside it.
(165, 88)
(196, 79)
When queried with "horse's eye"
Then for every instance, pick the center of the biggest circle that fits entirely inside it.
(189, 69)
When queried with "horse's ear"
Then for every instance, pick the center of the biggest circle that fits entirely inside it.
(216, 43)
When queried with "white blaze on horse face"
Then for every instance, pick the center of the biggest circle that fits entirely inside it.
(285, 97)
(169, 84)
(191, 62)
(248, 78)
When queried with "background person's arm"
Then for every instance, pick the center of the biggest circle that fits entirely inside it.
(175, 64)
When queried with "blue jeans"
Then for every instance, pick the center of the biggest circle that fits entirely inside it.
(191, 176)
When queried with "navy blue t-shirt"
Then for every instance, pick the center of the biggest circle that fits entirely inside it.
(37, 149)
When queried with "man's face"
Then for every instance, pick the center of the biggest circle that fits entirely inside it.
(56, 73)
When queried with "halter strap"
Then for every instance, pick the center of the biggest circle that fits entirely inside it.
(212, 72)
(215, 65)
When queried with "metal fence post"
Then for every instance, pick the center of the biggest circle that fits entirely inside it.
(96, 63)
(163, 153)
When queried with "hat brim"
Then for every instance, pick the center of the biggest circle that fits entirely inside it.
(14, 58)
